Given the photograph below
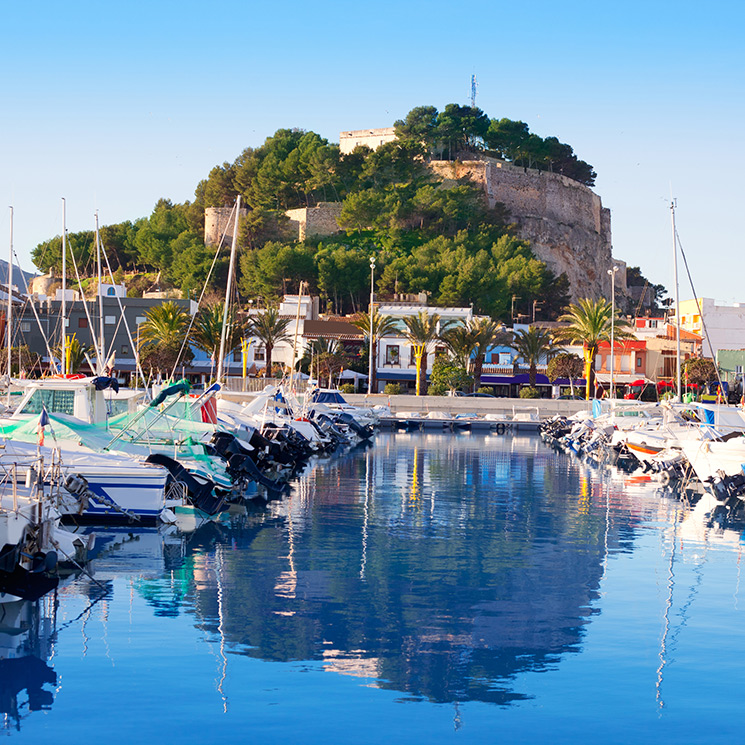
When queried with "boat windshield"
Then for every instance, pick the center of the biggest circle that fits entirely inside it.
(55, 402)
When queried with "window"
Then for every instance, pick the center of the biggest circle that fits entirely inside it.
(55, 402)
(738, 369)
(638, 361)
(625, 362)
(260, 354)
(111, 291)
(412, 356)
(82, 323)
(440, 350)
(599, 362)
(392, 354)
(25, 326)
(125, 349)
(109, 320)
(140, 319)
(653, 324)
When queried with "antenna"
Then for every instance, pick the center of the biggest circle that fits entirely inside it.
(474, 88)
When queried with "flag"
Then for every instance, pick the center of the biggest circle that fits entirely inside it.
(43, 421)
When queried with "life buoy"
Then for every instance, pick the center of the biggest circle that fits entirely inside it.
(501, 427)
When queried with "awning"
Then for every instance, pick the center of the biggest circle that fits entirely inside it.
(621, 378)
(395, 375)
(519, 379)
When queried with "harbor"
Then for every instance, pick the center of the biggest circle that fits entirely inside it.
(441, 586)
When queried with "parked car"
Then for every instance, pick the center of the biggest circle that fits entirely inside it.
(480, 395)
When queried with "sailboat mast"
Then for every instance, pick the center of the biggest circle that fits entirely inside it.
(63, 346)
(10, 302)
(101, 360)
(677, 302)
(231, 269)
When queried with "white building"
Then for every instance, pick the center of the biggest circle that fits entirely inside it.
(721, 326)
(395, 359)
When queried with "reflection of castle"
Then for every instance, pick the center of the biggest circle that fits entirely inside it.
(488, 568)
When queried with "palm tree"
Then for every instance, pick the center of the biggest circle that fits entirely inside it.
(533, 345)
(589, 324)
(207, 330)
(270, 330)
(461, 342)
(75, 353)
(328, 357)
(381, 326)
(422, 330)
(486, 333)
(162, 335)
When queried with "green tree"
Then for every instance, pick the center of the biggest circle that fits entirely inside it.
(422, 331)
(699, 370)
(590, 323)
(564, 365)
(447, 375)
(378, 327)
(270, 330)
(532, 346)
(161, 337)
(206, 332)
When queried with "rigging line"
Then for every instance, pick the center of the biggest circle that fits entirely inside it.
(85, 307)
(698, 306)
(126, 325)
(201, 296)
(36, 315)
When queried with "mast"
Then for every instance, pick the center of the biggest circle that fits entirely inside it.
(63, 346)
(231, 269)
(10, 302)
(677, 302)
(101, 360)
(294, 343)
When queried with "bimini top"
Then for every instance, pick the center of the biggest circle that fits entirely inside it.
(323, 396)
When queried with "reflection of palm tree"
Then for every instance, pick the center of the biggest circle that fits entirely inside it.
(423, 330)
(270, 330)
(533, 345)
(380, 326)
(589, 324)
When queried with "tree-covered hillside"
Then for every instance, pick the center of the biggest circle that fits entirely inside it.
(446, 242)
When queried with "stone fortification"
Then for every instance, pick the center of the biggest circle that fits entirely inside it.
(323, 219)
(372, 138)
(565, 222)
(219, 220)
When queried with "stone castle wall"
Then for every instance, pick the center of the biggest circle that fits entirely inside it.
(316, 221)
(219, 220)
(565, 222)
(372, 138)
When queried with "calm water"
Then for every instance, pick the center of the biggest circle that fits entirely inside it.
(429, 589)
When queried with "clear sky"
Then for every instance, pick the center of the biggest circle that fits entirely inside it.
(113, 106)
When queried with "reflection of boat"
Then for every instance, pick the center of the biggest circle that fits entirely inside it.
(25, 645)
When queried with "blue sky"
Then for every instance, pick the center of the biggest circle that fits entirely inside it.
(114, 106)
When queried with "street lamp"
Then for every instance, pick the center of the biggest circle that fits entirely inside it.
(514, 297)
(536, 303)
(612, 273)
(370, 327)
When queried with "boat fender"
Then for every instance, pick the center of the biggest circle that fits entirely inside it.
(501, 428)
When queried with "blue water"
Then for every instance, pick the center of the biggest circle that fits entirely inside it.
(429, 589)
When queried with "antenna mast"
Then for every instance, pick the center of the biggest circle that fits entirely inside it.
(474, 88)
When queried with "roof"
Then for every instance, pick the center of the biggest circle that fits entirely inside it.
(331, 330)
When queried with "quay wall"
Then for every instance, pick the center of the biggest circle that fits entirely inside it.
(546, 407)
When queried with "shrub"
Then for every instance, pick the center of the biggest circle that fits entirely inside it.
(486, 389)
(528, 392)
(347, 388)
(392, 389)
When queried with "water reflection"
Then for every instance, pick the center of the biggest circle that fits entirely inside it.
(441, 567)
(26, 678)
